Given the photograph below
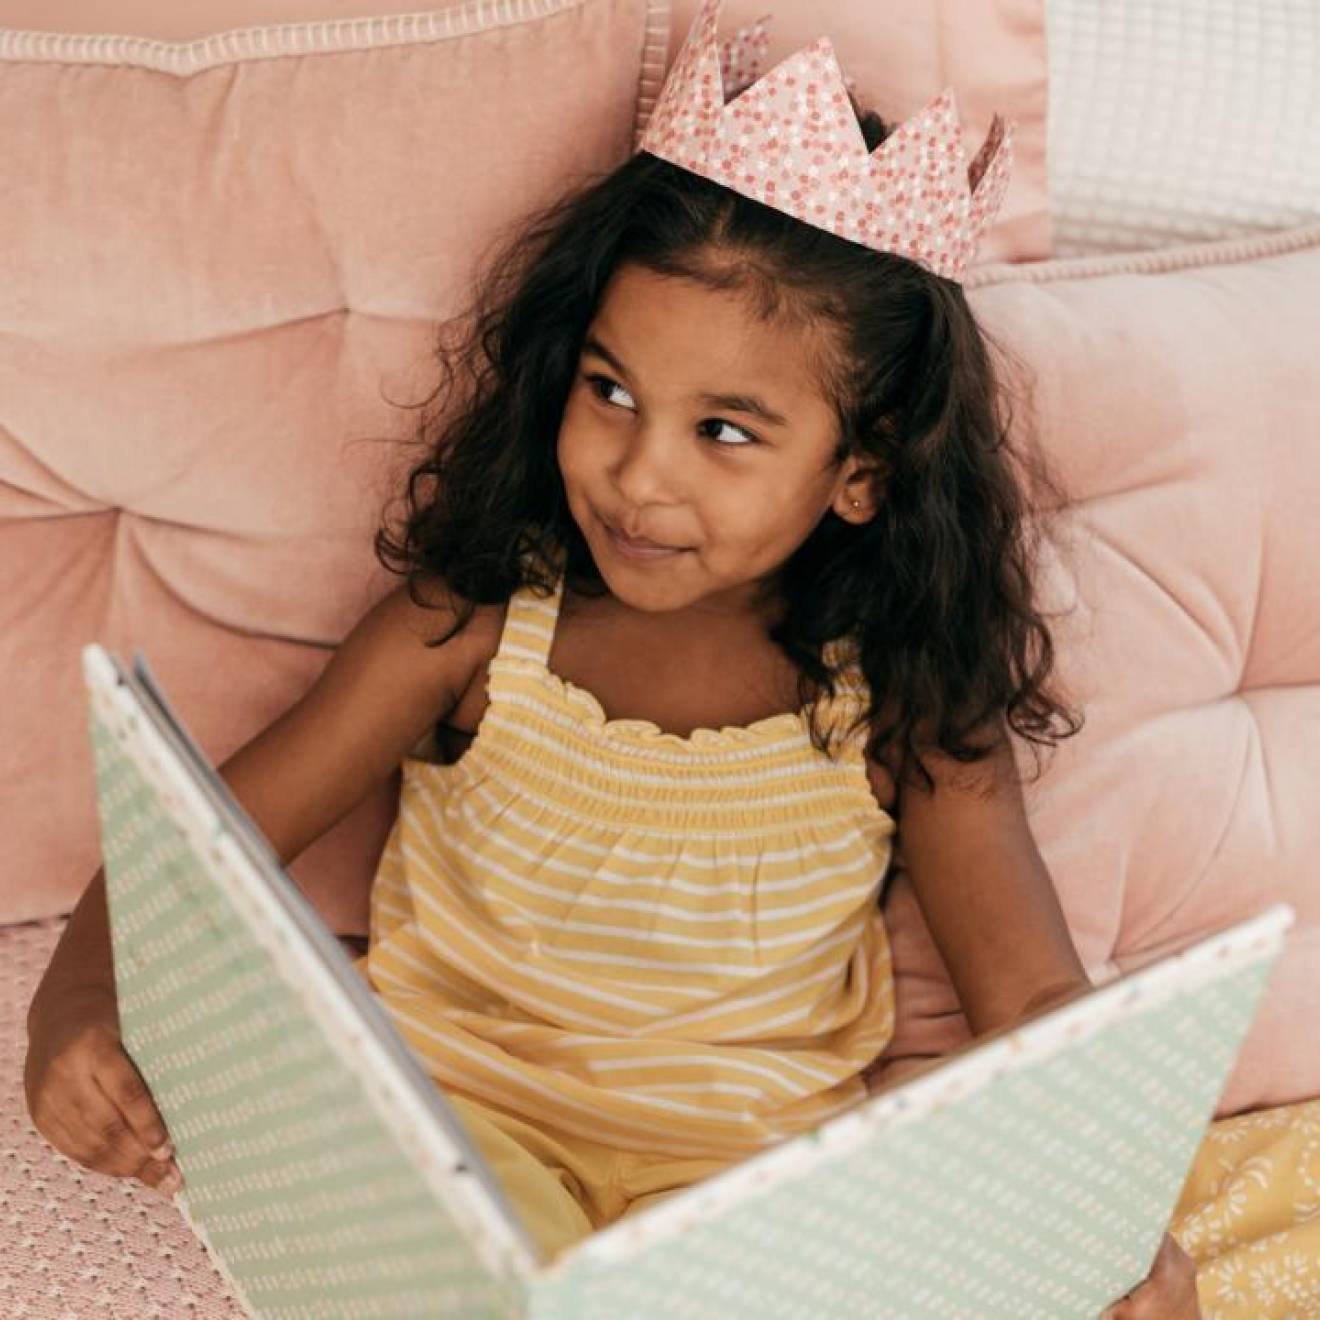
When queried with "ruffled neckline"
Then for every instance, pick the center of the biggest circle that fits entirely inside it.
(588, 705)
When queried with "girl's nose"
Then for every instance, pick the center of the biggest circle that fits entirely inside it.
(646, 470)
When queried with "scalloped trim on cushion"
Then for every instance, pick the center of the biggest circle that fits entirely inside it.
(312, 38)
(1149, 261)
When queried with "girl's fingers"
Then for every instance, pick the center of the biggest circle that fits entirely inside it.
(99, 1135)
(57, 1132)
(98, 1138)
(163, 1175)
(1167, 1293)
(123, 1086)
(86, 1098)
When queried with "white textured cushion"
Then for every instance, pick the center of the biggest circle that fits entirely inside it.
(1177, 120)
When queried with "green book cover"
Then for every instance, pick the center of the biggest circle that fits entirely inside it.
(1031, 1175)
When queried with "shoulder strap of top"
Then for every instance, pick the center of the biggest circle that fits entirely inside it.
(529, 623)
(529, 632)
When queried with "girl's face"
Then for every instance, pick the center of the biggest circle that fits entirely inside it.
(694, 425)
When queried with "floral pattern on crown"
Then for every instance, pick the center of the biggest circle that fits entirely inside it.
(789, 138)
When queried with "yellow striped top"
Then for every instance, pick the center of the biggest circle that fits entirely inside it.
(664, 943)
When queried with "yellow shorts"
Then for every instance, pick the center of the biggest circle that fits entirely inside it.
(566, 1187)
(1249, 1215)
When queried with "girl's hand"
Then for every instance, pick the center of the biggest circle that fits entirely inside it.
(880, 1077)
(1168, 1292)
(88, 1099)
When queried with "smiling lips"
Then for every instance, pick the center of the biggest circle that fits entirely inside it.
(639, 547)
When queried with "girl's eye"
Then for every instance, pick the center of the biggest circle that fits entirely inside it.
(747, 437)
(597, 381)
(601, 386)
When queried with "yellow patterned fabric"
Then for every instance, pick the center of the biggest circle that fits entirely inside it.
(665, 944)
(1249, 1215)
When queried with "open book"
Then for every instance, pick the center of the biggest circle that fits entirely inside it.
(1029, 1175)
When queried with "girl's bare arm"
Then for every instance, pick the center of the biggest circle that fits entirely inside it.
(375, 699)
(994, 915)
(984, 891)
(377, 696)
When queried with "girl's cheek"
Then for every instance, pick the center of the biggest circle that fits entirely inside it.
(568, 446)
(573, 452)
(584, 441)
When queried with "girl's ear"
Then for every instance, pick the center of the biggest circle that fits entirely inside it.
(861, 489)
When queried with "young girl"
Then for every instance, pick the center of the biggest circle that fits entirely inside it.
(717, 572)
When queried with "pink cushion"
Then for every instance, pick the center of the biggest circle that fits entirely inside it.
(222, 262)
(199, 19)
(904, 53)
(1176, 394)
(992, 52)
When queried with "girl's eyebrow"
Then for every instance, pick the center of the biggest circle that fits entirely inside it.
(746, 403)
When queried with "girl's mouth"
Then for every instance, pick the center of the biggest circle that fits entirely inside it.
(638, 550)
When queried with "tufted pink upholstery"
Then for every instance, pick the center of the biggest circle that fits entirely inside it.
(215, 287)
(222, 261)
(1176, 395)
(223, 257)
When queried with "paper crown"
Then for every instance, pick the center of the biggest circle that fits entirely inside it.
(792, 141)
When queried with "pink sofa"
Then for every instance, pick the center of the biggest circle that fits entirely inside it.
(226, 252)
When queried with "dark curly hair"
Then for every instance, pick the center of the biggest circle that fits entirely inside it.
(935, 590)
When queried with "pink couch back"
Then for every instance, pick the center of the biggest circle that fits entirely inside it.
(1175, 395)
(224, 264)
(227, 246)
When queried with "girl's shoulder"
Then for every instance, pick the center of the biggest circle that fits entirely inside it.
(404, 666)
(382, 689)
(853, 707)
(439, 633)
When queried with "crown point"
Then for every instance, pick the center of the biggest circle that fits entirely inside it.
(716, 107)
